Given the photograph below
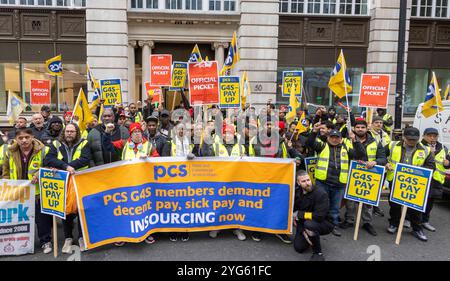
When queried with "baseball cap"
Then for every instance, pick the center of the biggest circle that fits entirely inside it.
(165, 112)
(152, 118)
(335, 133)
(431, 131)
(135, 126)
(411, 133)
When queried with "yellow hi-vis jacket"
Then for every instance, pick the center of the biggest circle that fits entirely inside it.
(76, 155)
(221, 151)
(143, 149)
(323, 160)
(395, 154)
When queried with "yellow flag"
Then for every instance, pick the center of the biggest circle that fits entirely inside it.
(301, 125)
(245, 89)
(433, 101)
(54, 66)
(82, 111)
(232, 58)
(196, 56)
(337, 83)
(447, 93)
(15, 107)
(293, 105)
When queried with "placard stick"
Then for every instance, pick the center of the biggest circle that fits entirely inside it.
(400, 226)
(369, 115)
(358, 220)
(55, 238)
(174, 98)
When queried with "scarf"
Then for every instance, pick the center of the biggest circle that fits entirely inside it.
(182, 146)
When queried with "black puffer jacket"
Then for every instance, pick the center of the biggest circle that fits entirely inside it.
(49, 135)
(100, 154)
(315, 202)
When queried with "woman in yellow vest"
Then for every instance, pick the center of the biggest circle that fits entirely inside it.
(22, 161)
(442, 160)
(70, 153)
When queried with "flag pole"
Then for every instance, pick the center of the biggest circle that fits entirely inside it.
(349, 126)
(441, 129)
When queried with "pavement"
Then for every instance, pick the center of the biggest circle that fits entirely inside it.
(226, 247)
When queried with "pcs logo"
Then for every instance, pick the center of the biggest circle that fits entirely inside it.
(170, 171)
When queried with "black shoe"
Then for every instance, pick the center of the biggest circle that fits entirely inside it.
(173, 237)
(256, 236)
(345, 225)
(336, 232)
(378, 212)
(369, 228)
(184, 236)
(317, 257)
(420, 235)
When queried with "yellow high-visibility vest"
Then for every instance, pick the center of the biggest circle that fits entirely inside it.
(323, 160)
(418, 158)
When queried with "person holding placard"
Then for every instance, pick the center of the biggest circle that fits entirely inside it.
(22, 161)
(69, 153)
(332, 168)
(374, 154)
(408, 151)
(442, 159)
(312, 205)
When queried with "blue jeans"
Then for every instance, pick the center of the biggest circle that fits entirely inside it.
(335, 195)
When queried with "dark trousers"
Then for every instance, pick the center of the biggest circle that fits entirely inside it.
(68, 226)
(318, 228)
(426, 215)
(44, 224)
(395, 212)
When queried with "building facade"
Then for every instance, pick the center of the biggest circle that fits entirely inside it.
(117, 37)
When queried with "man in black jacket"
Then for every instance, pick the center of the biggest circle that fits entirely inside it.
(312, 204)
(54, 128)
(69, 153)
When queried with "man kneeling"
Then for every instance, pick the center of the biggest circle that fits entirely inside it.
(312, 205)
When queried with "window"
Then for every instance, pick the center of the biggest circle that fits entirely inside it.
(152, 4)
(214, 5)
(425, 8)
(441, 8)
(345, 7)
(284, 5)
(136, 4)
(329, 6)
(52, 3)
(229, 5)
(296, 6)
(174, 4)
(9, 81)
(416, 88)
(361, 7)
(313, 6)
(8, 2)
(414, 8)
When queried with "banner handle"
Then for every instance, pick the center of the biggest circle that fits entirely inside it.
(400, 226)
(357, 222)
(55, 238)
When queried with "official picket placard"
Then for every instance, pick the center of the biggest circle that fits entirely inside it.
(17, 209)
(40, 92)
(161, 70)
(374, 90)
(311, 164)
(170, 194)
(292, 79)
(154, 92)
(364, 185)
(230, 95)
(203, 83)
(411, 186)
(111, 91)
(53, 187)
(179, 75)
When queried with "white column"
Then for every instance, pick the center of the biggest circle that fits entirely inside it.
(147, 47)
(219, 47)
(132, 93)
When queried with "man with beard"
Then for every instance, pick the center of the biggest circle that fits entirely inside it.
(312, 204)
(54, 129)
(374, 155)
(100, 137)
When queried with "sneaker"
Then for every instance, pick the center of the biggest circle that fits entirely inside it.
(407, 224)
(213, 233)
(369, 228)
(284, 238)
(428, 226)
(47, 248)
(336, 232)
(256, 236)
(185, 237)
(150, 240)
(392, 229)
(317, 257)
(240, 234)
(81, 244)
(67, 248)
(173, 237)
(119, 244)
(346, 224)
(420, 235)
(378, 212)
